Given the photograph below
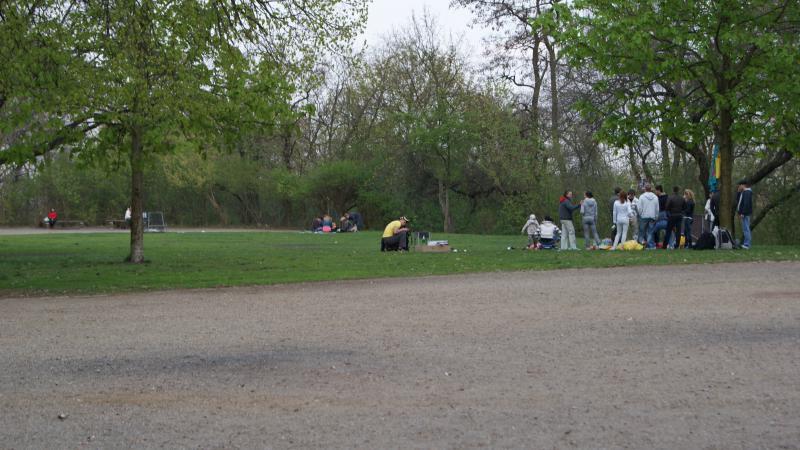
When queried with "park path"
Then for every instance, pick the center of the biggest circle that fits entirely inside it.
(703, 356)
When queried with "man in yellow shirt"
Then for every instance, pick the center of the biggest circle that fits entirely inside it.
(395, 235)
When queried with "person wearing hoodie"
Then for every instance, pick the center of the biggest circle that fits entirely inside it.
(589, 214)
(744, 208)
(531, 227)
(565, 210)
(648, 214)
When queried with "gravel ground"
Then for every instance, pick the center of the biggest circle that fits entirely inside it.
(670, 357)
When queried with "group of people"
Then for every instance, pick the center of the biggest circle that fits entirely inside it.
(350, 222)
(646, 216)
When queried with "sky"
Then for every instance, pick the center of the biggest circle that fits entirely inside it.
(385, 15)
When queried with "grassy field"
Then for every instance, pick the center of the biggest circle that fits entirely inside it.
(72, 263)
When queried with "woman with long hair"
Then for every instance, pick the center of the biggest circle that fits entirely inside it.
(622, 216)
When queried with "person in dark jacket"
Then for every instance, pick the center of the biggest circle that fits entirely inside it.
(355, 218)
(715, 201)
(565, 210)
(662, 199)
(674, 209)
(744, 208)
(688, 216)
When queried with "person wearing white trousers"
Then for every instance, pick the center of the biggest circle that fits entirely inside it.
(622, 215)
(565, 210)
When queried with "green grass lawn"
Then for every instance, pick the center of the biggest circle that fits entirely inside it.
(73, 263)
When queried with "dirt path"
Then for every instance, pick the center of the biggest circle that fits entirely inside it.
(606, 358)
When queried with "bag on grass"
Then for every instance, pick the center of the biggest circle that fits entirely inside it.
(632, 245)
(706, 241)
(725, 240)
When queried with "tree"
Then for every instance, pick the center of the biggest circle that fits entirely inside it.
(529, 52)
(139, 77)
(726, 69)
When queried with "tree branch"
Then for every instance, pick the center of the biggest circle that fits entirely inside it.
(773, 204)
(779, 159)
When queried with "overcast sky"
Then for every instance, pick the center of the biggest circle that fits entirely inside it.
(385, 15)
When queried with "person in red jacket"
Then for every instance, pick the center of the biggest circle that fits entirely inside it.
(52, 217)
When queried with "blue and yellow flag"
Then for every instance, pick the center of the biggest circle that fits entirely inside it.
(716, 170)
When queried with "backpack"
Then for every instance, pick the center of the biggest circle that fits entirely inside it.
(725, 241)
(706, 241)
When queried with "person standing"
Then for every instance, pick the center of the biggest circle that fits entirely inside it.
(714, 207)
(674, 209)
(531, 227)
(634, 222)
(661, 222)
(395, 235)
(621, 217)
(744, 207)
(648, 214)
(662, 198)
(708, 214)
(688, 217)
(565, 210)
(589, 221)
(128, 217)
(611, 201)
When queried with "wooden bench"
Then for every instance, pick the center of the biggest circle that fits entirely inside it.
(70, 223)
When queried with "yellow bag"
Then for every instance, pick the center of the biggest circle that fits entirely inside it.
(632, 245)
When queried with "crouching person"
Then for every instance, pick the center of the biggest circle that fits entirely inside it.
(395, 235)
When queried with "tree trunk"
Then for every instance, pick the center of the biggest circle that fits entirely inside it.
(535, 138)
(137, 189)
(726, 157)
(555, 135)
(444, 203)
(665, 165)
(223, 217)
(637, 174)
(704, 164)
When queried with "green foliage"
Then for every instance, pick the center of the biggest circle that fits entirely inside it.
(334, 188)
(152, 76)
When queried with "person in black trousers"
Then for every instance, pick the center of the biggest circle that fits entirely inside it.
(674, 209)
(688, 216)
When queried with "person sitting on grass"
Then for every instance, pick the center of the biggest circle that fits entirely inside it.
(548, 233)
(395, 235)
(328, 225)
(355, 219)
(316, 225)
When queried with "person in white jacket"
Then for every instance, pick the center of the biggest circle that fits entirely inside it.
(531, 227)
(622, 216)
